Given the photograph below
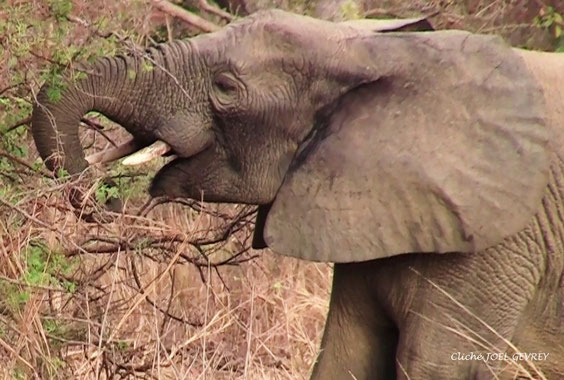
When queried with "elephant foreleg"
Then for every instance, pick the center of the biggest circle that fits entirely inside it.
(359, 341)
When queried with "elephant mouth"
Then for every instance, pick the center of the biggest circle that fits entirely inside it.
(136, 153)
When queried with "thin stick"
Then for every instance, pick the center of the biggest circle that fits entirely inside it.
(18, 124)
(206, 7)
(98, 128)
(23, 162)
(186, 16)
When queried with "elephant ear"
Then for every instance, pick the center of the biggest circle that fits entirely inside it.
(391, 25)
(446, 151)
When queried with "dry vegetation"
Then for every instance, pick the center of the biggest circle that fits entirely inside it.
(168, 288)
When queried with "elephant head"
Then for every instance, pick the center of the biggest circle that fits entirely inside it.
(392, 134)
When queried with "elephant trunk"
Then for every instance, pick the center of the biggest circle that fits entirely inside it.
(56, 115)
(122, 88)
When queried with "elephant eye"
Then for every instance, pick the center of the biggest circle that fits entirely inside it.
(227, 92)
(226, 83)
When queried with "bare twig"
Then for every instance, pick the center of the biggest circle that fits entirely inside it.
(186, 16)
(28, 216)
(88, 25)
(18, 124)
(40, 223)
(8, 88)
(23, 162)
(98, 128)
(381, 13)
(33, 286)
(141, 290)
(169, 32)
(206, 7)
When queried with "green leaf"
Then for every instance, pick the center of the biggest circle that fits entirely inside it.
(54, 93)
(62, 173)
(69, 286)
(104, 192)
(22, 297)
(102, 22)
(12, 62)
(61, 8)
(147, 66)
(350, 10)
(547, 22)
(20, 151)
(79, 75)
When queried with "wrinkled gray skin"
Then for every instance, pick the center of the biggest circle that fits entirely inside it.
(241, 107)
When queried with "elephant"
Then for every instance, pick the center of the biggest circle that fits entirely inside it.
(427, 165)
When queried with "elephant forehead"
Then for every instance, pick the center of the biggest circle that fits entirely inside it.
(274, 33)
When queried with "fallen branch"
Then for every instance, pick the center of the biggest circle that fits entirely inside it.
(186, 16)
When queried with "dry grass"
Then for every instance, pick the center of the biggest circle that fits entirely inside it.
(150, 296)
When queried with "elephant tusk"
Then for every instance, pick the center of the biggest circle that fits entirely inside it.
(114, 153)
(157, 149)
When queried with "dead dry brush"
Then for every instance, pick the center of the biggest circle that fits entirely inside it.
(169, 288)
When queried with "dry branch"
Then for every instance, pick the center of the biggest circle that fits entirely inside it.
(28, 165)
(99, 128)
(186, 16)
(18, 124)
(206, 7)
